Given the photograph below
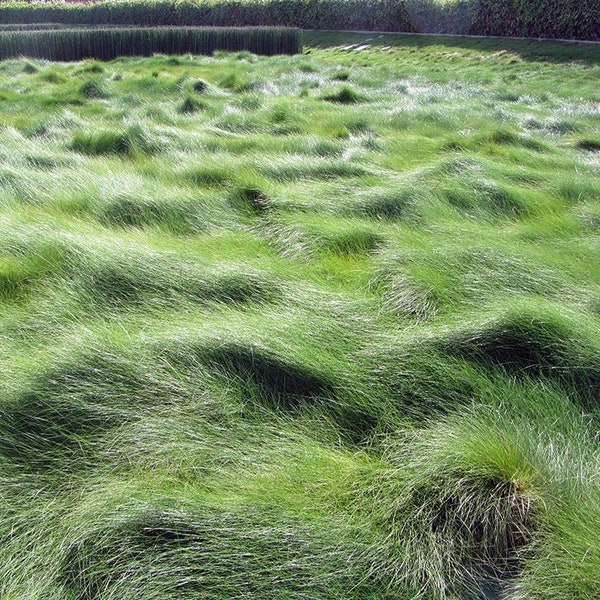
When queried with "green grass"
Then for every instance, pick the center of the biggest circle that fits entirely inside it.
(317, 326)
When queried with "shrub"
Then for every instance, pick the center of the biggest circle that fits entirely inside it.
(107, 44)
(572, 19)
(381, 15)
(569, 19)
(438, 16)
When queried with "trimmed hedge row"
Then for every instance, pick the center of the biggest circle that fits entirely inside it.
(438, 16)
(569, 19)
(566, 19)
(371, 15)
(106, 44)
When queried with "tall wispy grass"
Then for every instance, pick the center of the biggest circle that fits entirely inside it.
(315, 326)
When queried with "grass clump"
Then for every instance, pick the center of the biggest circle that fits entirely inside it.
(311, 237)
(154, 280)
(30, 68)
(388, 205)
(249, 198)
(209, 545)
(176, 213)
(533, 341)
(345, 95)
(130, 142)
(590, 144)
(52, 77)
(92, 89)
(200, 86)
(16, 278)
(190, 105)
(341, 75)
(274, 380)
(58, 418)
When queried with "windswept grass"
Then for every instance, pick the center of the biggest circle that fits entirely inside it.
(319, 326)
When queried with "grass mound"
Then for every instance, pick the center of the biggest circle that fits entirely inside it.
(179, 215)
(313, 237)
(267, 378)
(209, 175)
(92, 89)
(16, 278)
(534, 342)
(345, 95)
(485, 198)
(191, 105)
(283, 383)
(389, 205)
(504, 137)
(590, 144)
(465, 510)
(61, 414)
(249, 199)
(298, 168)
(216, 552)
(117, 283)
(131, 143)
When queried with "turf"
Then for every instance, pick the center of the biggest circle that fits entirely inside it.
(320, 326)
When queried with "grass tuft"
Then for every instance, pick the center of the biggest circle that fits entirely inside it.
(250, 198)
(92, 89)
(130, 142)
(191, 105)
(345, 95)
(590, 144)
(200, 86)
(536, 342)
(30, 68)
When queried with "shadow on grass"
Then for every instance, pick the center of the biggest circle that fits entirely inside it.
(528, 49)
(275, 383)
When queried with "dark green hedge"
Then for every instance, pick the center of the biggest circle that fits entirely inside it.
(566, 19)
(569, 19)
(106, 44)
(371, 15)
(435, 16)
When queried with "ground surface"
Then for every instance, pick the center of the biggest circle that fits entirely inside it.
(322, 326)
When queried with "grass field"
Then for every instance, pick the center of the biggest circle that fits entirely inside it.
(311, 327)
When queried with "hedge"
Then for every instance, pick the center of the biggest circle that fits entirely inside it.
(371, 15)
(566, 19)
(106, 44)
(569, 19)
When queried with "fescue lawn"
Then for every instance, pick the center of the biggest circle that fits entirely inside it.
(311, 327)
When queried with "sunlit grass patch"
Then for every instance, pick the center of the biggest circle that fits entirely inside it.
(300, 236)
